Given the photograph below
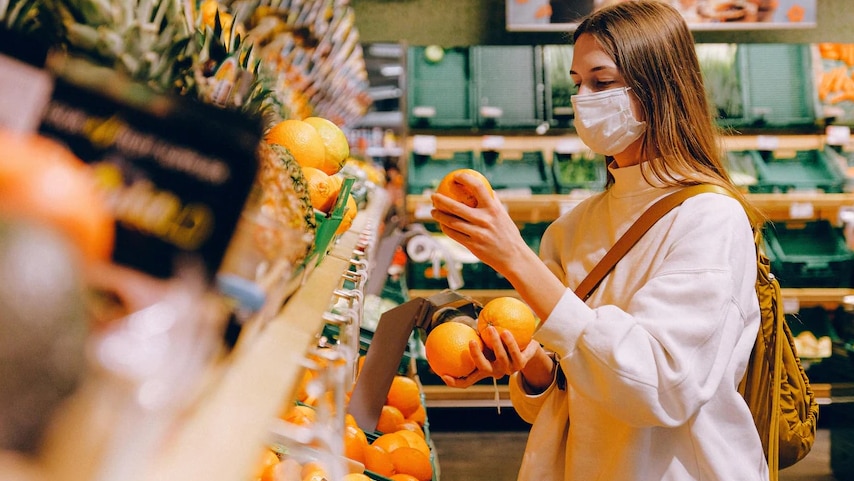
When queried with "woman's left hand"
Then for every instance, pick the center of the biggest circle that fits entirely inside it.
(501, 357)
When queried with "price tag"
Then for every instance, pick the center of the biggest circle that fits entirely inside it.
(768, 142)
(801, 210)
(492, 142)
(838, 134)
(424, 144)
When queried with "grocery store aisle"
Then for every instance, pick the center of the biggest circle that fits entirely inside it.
(484, 454)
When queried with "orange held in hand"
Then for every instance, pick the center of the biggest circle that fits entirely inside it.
(508, 314)
(453, 188)
(447, 349)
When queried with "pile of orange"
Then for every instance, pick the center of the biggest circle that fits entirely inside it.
(447, 345)
(321, 149)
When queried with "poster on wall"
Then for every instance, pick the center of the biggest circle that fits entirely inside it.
(563, 15)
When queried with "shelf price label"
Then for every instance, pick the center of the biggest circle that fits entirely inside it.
(801, 210)
(767, 142)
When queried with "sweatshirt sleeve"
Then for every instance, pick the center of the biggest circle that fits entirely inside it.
(655, 361)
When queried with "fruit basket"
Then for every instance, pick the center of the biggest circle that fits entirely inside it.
(425, 171)
(526, 172)
(809, 254)
(810, 170)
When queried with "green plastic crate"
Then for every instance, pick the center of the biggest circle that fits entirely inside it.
(421, 275)
(442, 87)
(777, 84)
(809, 254)
(509, 78)
(810, 170)
(577, 172)
(426, 171)
(528, 171)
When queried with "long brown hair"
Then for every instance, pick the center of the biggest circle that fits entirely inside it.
(654, 51)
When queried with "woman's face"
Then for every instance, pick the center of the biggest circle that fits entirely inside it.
(593, 70)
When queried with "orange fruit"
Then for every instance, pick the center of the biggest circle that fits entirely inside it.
(508, 314)
(335, 143)
(323, 189)
(266, 465)
(349, 214)
(389, 419)
(450, 186)
(403, 477)
(43, 181)
(356, 477)
(404, 394)
(447, 349)
(415, 440)
(419, 416)
(302, 141)
(314, 471)
(412, 461)
(378, 461)
(390, 441)
(350, 420)
(355, 442)
(300, 415)
(411, 426)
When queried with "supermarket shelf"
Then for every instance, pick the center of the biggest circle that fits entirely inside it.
(828, 297)
(223, 436)
(547, 207)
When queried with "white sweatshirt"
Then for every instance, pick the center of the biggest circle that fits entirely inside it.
(652, 360)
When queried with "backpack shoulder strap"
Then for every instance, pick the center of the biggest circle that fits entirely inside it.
(635, 232)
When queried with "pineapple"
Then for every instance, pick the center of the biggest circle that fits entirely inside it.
(29, 17)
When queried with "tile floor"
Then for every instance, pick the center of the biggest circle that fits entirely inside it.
(467, 452)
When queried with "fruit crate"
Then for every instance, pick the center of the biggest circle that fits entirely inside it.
(807, 170)
(741, 166)
(439, 93)
(527, 172)
(578, 172)
(809, 254)
(786, 101)
(425, 171)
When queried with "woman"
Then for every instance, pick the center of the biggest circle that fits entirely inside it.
(639, 382)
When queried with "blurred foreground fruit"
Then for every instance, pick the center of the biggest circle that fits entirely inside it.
(508, 314)
(453, 188)
(447, 349)
(42, 181)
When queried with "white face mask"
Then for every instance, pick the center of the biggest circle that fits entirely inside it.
(605, 122)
